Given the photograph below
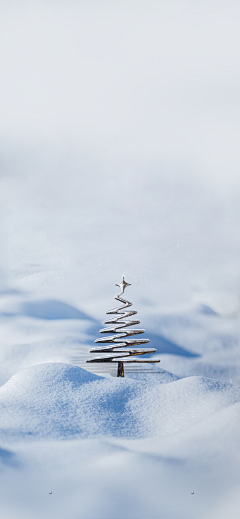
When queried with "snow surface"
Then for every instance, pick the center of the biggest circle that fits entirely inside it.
(119, 139)
(61, 401)
(91, 438)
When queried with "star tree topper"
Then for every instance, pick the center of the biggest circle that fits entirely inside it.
(123, 284)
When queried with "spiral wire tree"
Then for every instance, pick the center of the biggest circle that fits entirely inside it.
(116, 343)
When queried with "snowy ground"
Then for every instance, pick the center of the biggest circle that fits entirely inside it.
(119, 137)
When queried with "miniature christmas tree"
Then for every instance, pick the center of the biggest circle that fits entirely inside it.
(117, 343)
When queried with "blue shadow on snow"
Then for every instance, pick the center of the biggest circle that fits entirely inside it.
(9, 458)
(51, 309)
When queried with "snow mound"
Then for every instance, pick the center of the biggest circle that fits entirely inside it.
(173, 407)
(60, 401)
(63, 401)
(45, 378)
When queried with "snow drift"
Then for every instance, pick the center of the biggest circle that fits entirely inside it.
(61, 400)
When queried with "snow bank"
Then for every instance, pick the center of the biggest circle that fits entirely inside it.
(62, 401)
(181, 404)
